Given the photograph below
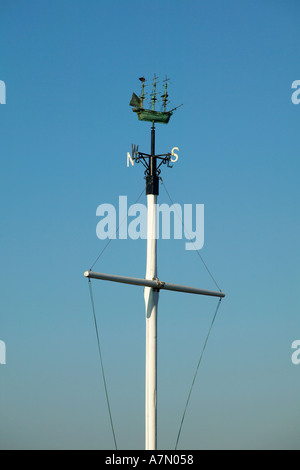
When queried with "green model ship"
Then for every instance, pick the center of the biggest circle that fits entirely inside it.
(151, 115)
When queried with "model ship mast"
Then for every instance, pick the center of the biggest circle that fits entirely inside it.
(165, 95)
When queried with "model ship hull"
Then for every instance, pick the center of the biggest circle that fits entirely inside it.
(153, 116)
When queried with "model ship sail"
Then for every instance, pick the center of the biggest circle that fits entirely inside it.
(151, 115)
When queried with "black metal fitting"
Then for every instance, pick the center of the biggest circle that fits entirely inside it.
(152, 185)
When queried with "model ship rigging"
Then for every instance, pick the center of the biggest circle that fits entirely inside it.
(152, 115)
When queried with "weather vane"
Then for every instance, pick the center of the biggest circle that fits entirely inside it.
(152, 162)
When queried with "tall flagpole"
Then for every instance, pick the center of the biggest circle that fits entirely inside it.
(151, 304)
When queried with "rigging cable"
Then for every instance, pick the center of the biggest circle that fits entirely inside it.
(213, 320)
(116, 232)
(190, 238)
(195, 375)
(96, 325)
(101, 362)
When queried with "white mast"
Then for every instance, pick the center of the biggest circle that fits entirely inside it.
(151, 303)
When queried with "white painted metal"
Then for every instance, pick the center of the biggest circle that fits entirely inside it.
(151, 303)
(157, 284)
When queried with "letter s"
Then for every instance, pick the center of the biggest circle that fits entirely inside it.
(295, 96)
(174, 154)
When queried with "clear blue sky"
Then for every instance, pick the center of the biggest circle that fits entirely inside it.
(70, 68)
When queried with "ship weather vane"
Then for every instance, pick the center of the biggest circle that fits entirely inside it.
(152, 162)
